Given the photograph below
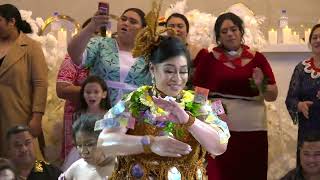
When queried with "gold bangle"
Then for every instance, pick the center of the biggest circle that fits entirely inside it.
(190, 120)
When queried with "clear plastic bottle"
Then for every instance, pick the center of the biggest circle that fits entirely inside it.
(283, 22)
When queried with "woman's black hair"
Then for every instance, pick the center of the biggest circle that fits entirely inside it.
(169, 47)
(10, 12)
(85, 123)
(140, 13)
(228, 16)
(312, 31)
(181, 16)
(105, 103)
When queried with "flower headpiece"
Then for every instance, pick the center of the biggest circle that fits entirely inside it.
(149, 37)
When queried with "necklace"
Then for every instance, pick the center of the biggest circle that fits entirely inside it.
(309, 67)
(234, 53)
(236, 56)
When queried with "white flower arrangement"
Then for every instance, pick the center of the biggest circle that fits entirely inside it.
(200, 24)
(52, 53)
(201, 31)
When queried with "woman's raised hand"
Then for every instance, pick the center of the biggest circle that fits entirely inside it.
(99, 19)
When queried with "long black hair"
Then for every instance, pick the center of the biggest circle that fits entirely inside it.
(105, 103)
(10, 12)
(228, 16)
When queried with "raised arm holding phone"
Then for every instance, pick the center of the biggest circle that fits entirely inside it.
(111, 58)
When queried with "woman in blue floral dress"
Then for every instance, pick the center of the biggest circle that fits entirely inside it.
(111, 58)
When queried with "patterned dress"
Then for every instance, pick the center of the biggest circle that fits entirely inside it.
(304, 86)
(75, 75)
(103, 59)
(138, 107)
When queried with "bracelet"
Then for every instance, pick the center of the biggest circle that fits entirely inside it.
(146, 142)
(190, 120)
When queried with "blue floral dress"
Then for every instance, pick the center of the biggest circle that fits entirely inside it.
(103, 60)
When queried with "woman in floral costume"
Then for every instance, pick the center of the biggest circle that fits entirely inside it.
(162, 131)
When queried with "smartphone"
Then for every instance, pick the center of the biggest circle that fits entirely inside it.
(104, 10)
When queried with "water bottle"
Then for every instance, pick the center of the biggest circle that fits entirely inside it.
(283, 22)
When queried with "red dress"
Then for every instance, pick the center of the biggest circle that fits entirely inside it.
(247, 153)
(75, 75)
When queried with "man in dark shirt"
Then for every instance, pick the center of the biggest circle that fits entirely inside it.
(21, 153)
(309, 167)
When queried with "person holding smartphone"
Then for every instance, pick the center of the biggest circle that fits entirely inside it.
(111, 58)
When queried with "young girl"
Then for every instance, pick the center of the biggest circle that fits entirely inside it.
(93, 163)
(93, 97)
(93, 100)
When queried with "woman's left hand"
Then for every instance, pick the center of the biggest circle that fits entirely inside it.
(35, 124)
(257, 76)
(318, 94)
(177, 114)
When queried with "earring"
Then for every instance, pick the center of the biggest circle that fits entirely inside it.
(153, 80)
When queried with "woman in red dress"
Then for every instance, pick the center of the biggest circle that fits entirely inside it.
(242, 79)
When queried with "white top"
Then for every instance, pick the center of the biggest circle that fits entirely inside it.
(81, 170)
(126, 61)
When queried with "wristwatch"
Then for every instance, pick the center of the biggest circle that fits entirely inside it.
(146, 142)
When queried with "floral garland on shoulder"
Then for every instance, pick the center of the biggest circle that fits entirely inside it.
(142, 107)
